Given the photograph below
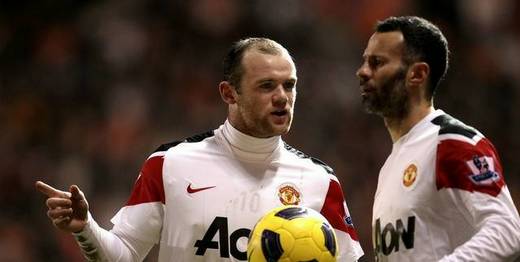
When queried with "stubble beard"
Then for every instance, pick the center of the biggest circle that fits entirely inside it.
(272, 129)
(261, 126)
(391, 100)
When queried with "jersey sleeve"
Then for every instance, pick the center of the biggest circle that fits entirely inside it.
(471, 174)
(98, 244)
(142, 216)
(336, 212)
(137, 225)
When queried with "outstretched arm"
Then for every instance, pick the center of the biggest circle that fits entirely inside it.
(68, 211)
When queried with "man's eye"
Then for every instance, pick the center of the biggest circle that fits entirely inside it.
(289, 85)
(266, 85)
(375, 62)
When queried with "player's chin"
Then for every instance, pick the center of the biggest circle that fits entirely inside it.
(280, 124)
(281, 129)
(370, 106)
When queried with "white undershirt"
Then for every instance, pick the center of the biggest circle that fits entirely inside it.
(250, 148)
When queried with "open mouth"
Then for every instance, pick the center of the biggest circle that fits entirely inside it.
(279, 112)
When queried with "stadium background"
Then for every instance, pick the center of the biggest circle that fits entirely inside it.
(89, 88)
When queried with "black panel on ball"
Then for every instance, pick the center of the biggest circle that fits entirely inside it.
(330, 241)
(292, 213)
(271, 245)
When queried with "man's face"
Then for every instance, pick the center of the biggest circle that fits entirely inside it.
(382, 76)
(265, 100)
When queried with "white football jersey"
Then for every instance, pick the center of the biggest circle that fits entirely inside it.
(200, 198)
(441, 195)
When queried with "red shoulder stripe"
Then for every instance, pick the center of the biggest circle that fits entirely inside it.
(149, 185)
(469, 167)
(334, 210)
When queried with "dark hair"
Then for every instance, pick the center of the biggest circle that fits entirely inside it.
(233, 69)
(423, 42)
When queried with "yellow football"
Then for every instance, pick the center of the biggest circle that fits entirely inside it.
(290, 234)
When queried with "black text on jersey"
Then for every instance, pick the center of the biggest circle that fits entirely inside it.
(387, 241)
(227, 244)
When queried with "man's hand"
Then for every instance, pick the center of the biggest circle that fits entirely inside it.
(67, 210)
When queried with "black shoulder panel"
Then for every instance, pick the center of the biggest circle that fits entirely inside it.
(167, 146)
(316, 161)
(200, 137)
(450, 125)
(192, 139)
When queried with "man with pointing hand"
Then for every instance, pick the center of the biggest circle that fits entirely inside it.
(220, 182)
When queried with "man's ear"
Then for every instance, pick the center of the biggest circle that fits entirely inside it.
(418, 73)
(227, 92)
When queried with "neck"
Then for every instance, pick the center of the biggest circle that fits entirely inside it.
(249, 147)
(399, 126)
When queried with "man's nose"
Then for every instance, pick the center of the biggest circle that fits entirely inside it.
(363, 72)
(280, 96)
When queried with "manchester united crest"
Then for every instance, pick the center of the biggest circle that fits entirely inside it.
(409, 175)
(289, 194)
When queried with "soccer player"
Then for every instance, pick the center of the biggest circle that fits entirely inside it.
(441, 194)
(199, 198)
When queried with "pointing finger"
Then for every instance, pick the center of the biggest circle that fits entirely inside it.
(51, 191)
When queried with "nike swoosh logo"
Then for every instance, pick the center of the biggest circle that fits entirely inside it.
(195, 190)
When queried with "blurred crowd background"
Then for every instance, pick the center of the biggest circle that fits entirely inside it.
(88, 89)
